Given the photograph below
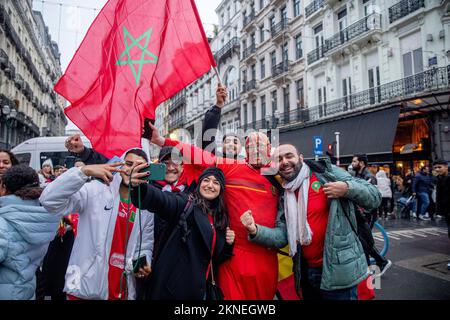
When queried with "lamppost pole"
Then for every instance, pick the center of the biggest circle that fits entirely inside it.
(337, 148)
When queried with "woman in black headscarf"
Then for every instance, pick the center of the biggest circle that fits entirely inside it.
(196, 240)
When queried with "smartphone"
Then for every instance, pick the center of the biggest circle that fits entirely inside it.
(139, 263)
(157, 172)
(147, 132)
(114, 160)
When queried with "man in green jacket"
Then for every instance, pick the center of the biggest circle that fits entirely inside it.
(319, 209)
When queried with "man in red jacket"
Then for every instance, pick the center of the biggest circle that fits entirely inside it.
(253, 270)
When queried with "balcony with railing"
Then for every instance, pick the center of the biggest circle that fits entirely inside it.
(250, 50)
(280, 69)
(3, 59)
(178, 100)
(249, 86)
(403, 89)
(313, 7)
(249, 19)
(404, 8)
(19, 81)
(176, 123)
(227, 50)
(360, 29)
(279, 29)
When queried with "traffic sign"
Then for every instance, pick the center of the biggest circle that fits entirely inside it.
(318, 145)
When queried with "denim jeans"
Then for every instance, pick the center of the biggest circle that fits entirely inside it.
(311, 288)
(423, 202)
(412, 205)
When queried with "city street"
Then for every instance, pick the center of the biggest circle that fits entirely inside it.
(419, 251)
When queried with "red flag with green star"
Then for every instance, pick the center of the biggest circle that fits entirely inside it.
(136, 54)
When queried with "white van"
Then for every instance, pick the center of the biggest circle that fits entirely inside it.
(34, 152)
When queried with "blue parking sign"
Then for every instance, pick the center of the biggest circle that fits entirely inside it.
(318, 145)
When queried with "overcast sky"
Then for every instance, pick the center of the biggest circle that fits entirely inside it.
(69, 20)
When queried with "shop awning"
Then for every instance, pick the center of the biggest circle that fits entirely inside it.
(372, 134)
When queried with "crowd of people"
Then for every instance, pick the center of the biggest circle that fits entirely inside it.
(210, 230)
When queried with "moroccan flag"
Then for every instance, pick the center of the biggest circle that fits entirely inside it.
(136, 54)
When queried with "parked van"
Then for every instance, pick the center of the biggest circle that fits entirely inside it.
(34, 152)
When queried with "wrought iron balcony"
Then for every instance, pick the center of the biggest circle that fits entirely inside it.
(176, 123)
(357, 29)
(19, 81)
(249, 19)
(227, 50)
(279, 28)
(3, 59)
(249, 85)
(249, 51)
(403, 8)
(313, 7)
(179, 99)
(10, 71)
(315, 54)
(280, 68)
(403, 89)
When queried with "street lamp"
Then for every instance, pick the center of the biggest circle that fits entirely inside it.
(11, 115)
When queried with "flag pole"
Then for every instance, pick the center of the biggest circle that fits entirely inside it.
(217, 75)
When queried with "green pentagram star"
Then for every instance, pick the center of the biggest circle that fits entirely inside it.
(144, 51)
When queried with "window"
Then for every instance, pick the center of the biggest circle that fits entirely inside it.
(262, 64)
(300, 93)
(253, 70)
(274, 101)
(285, 55)
(57, 158)
(261, 4)
(318, 35)
(272, 23)
(342, 19)
(286, 101)
(24, 158)
(263, 107)
(253, 111)
(298, 47)
(261, 33)
(273, 59)
(283, 14)
(412, 62)
(244, 106)
(296, 8)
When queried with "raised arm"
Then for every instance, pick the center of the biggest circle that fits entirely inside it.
(166, 205)
(212, 120)
(75, 146)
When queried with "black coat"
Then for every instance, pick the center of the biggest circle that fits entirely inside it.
(179, 268)
(442, 195)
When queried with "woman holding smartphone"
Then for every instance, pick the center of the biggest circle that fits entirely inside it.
(196, 240)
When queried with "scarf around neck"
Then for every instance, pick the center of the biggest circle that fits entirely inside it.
(296, 210)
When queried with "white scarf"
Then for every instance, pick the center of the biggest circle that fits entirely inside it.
(296, 210)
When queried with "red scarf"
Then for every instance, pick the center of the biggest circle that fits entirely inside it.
(174, 187)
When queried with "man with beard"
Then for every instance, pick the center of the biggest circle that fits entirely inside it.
(252, 272)
(321, 225)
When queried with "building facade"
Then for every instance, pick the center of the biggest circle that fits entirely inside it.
(364, 56)
(29, 68)
(272, 63)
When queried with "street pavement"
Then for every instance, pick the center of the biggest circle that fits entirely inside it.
(419, 251)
